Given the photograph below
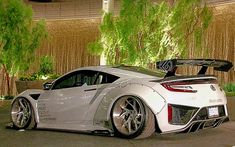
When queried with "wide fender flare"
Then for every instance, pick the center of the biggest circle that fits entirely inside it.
(33, 102)
(147, 94)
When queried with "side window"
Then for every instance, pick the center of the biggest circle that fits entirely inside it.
(76, 79)
(104, 78)
(89, 77)
(66, 82)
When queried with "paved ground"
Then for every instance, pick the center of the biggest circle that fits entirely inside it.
(224, 136)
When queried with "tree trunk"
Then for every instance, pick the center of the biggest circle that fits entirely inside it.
(7, 80)
(171, 2)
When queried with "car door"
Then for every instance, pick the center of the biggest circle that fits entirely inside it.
(68, 100)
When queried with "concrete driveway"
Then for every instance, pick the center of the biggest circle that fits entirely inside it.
(223, 136)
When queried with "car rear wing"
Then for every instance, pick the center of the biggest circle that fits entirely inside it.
(171, 65)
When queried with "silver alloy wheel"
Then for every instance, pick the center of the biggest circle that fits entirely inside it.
(21, 112)
(128, 115)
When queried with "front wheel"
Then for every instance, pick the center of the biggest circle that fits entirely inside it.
(22, 114)
(131, 118)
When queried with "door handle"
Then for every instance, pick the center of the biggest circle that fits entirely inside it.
(90, 89)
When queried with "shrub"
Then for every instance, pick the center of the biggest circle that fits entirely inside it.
(6, 97)
(45, 71)
(46, 65)
(229, 87)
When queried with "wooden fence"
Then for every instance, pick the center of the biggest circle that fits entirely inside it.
(220, 42)
(68, 41)
(67, 45)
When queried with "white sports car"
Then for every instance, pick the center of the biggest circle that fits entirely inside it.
(125, 101)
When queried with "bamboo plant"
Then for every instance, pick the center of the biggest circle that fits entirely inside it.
(145, 32)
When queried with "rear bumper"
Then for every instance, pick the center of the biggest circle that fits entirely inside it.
(200, 120)
(201, 124)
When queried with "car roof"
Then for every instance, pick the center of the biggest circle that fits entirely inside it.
(124, 71)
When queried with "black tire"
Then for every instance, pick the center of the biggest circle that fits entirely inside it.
(131, 118)
(22, 114)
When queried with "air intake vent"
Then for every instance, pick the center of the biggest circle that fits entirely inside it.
(35, 96)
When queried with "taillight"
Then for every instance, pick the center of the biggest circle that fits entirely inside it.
(179, 87)
(169, 113)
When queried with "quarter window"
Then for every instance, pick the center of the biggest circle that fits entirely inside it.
(104, 78)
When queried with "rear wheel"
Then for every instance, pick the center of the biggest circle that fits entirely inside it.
(131, 118)
(22, 114)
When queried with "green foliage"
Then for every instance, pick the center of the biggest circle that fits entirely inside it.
(45, 71)
(19, 35)
(46, 65)
(145, 32)
(37, 76)
(6, 97)
(229, 87)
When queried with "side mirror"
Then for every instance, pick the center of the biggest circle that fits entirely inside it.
(47, 86)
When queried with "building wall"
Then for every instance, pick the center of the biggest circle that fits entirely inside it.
(76, 9)
(70, 9)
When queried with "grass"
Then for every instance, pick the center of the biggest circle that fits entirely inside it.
(229, 89)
